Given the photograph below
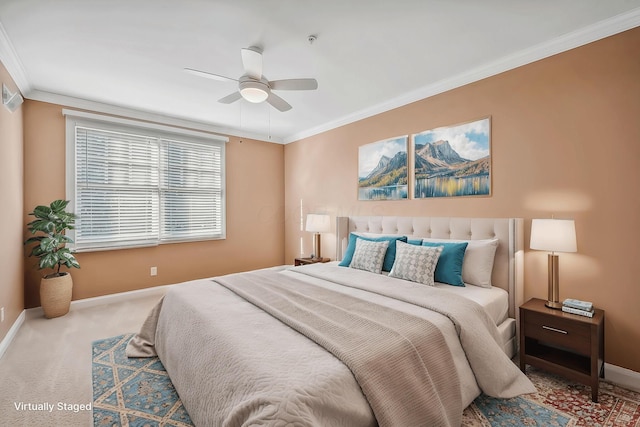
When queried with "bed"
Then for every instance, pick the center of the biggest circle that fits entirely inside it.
(507, 273)
(332, 345)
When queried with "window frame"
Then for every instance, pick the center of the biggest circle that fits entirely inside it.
(153, 130)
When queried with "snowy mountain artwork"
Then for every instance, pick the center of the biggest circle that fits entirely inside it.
(453, 161)
(382, 170)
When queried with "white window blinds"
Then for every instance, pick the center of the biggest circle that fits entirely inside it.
(140, 187)
(190, 190)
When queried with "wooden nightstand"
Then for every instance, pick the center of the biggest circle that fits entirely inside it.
(565, 344)
(305, 261)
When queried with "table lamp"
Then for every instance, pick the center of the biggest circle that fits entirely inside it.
(317, 223)
(554, 235)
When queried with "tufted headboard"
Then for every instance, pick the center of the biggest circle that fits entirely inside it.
(508, 264)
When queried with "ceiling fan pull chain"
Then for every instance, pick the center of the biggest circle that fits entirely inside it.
(269, 109)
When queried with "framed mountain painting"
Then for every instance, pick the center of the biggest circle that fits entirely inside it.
(453, 161)
(382, 170)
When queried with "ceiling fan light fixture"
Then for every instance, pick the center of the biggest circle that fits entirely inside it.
(254, 87)
(253, 91)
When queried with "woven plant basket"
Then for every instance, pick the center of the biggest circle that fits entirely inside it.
(55, 295)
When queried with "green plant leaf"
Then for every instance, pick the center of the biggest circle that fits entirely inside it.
(33, 239)
(49, 244)
(67, 215)
(49, 260)
(53, 217)
(66, 239)
(52, 221)
(62, 252)
(36, 251)
(51, 227)
(41, 212)
(68, 259)
(59, 205)
(43, 225)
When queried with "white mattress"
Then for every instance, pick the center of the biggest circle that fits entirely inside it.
(494, 300)
(507, 330)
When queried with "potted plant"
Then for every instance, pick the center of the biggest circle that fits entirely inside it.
(51, 223)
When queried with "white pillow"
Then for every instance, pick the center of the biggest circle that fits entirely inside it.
(367, 234)
(477, 265)
(415, 263)
(369, 256)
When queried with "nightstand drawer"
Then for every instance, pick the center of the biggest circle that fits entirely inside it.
(556, 330)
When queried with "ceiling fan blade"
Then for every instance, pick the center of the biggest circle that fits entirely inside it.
(209, 75)
(294, 84)
(252, 61)
(230, 98)
(278, 103)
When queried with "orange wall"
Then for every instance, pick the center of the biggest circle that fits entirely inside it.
(11, 214)
(565, 140)
(255, 228)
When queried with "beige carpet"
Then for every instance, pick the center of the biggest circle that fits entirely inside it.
(49, 362)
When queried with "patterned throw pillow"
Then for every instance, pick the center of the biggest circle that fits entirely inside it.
(415, 263)
(369, 256)
(388, 258)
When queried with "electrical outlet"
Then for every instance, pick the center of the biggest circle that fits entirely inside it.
(154, 271)
(1, 314)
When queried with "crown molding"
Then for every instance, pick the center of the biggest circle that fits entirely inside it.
(9, 57)
(115, 110)
(577, 38)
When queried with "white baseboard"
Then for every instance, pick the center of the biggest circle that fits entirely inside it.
(622, 376)
(32, 313)
(106, 299)
(4, 344)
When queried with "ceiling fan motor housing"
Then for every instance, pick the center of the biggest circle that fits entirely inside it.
(254, 90)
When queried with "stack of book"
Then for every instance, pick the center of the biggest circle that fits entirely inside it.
(575, 306)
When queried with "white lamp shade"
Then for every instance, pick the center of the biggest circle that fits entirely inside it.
(555, 235)
(318, 223)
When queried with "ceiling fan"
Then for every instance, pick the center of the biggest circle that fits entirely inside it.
(253, 86)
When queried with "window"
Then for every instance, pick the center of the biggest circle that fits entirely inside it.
(133, 184)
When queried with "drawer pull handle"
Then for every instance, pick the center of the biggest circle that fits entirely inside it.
(549, 328)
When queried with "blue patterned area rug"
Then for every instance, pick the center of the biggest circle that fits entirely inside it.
(132, 392)
(138, 392)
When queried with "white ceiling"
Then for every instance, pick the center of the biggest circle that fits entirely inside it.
(127, 56)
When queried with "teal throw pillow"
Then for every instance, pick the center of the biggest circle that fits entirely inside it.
(449, 268)
(389, 257)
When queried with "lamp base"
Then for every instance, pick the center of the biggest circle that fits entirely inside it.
(316, 246)
(553, 298)
(554, 304)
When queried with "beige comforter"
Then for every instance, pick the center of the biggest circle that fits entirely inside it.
(233, 364)
(400, 361)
